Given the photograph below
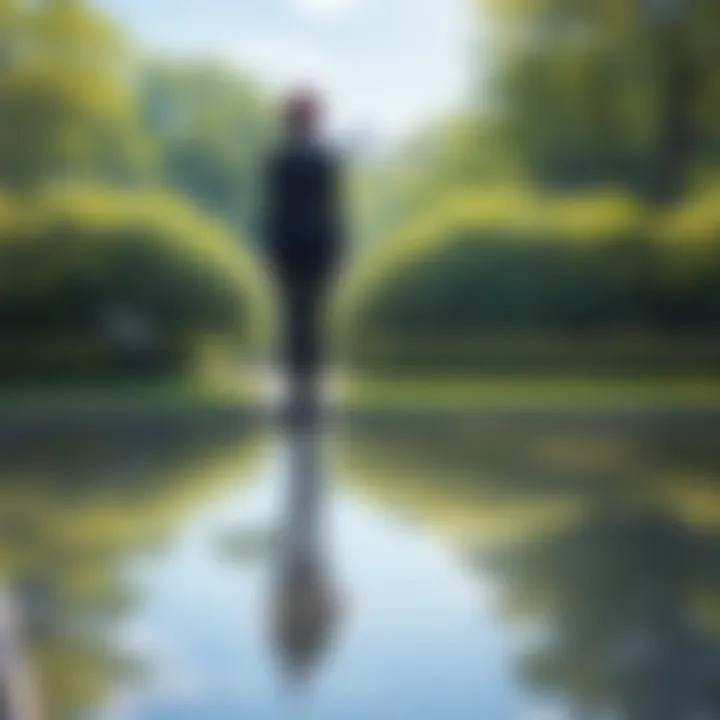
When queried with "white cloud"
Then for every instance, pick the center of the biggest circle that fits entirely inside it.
(324, 8)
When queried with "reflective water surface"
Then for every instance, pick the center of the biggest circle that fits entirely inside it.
(427, 569)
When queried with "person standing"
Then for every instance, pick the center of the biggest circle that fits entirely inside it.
(304, 229)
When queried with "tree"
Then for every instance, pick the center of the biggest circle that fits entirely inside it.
(65, 108)
(598, 92)
(447, 157)
(212, 127)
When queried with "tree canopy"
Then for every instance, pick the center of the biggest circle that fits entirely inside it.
(127, 186)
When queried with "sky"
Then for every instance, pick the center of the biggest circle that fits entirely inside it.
(386, 66)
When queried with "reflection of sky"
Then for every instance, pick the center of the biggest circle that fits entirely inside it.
(387, 65)
(418, 641)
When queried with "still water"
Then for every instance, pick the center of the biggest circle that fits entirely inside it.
(422, 571)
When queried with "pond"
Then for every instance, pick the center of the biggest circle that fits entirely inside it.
(424, 568)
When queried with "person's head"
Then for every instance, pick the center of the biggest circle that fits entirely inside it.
(303, 113)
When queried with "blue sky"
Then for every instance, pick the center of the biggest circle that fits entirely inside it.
(387, 66)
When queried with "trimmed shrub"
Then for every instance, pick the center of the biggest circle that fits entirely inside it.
(502, 278)
(97, 281)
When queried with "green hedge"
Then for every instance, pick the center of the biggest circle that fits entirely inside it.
(495, 277)
(91, 278)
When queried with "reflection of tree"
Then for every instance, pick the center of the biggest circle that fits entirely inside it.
(470, 477)
(614, 596)
(74, 504)
(624, 590)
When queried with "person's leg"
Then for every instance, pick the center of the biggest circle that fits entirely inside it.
(303, 339)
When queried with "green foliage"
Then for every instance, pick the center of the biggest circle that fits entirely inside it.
(515, 264)
(515, 234)
(458, 153)
(67, 113)
(603, 91)
(98, 280)
(90, 272)
(212, 128)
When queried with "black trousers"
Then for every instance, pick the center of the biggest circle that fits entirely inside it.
(303, 337)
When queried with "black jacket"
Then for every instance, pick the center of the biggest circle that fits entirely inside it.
(303, 214)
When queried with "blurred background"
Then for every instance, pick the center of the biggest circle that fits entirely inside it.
(523, 458)
(533, 185)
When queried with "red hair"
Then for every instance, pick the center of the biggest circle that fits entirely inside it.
(302, 110)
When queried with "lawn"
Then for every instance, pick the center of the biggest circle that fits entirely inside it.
(488, 393)
(167, 394)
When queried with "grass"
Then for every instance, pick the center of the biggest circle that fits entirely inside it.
(161, 394)
(488, 393)
(480, 393)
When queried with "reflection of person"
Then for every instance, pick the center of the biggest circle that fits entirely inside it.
(303, 231)
(306, 604)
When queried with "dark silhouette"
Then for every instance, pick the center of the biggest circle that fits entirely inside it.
(303, 228)
(304, 236)
(306, 606)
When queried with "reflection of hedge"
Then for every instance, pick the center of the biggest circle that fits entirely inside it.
(80, 500)
(73, 263)
(508, 265)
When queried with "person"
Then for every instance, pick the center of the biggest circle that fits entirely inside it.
(304, 235)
